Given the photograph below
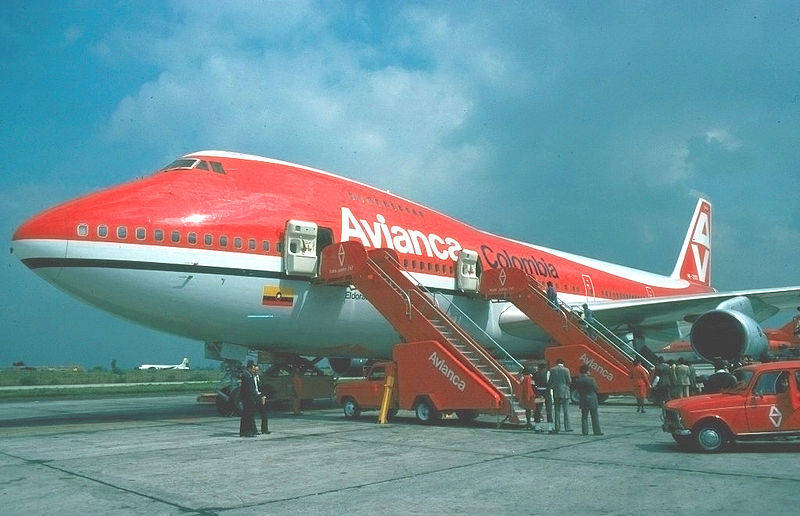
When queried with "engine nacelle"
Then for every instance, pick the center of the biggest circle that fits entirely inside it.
(728, 332)
(348, 366)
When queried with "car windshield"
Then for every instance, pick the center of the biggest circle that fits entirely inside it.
(743, 377)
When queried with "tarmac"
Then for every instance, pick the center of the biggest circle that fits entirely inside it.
(169, 454)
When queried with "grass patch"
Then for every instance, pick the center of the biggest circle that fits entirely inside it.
(13, 377)
(90, 392)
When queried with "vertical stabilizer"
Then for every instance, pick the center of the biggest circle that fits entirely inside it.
(694, 261)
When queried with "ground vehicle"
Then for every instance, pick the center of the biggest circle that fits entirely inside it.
(765, 403)
(429, 381)
(278, 385)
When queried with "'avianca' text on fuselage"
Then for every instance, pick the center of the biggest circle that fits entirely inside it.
(408, 241)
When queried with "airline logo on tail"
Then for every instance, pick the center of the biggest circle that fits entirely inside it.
(694, 262)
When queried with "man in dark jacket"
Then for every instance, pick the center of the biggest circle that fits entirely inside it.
(247, 397)
(587, 389)
(721, 379)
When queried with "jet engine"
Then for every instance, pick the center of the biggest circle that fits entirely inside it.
(728, 332)
(348, 366)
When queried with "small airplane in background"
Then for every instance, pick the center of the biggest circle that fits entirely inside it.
(150, 367)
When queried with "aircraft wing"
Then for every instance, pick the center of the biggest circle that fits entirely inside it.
(659, 316)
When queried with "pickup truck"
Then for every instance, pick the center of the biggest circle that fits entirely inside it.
(764, 404)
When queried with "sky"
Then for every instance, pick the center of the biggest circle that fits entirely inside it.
(582, 126)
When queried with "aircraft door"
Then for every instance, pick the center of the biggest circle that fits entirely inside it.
(300, 248)
(769, 407)
(468, 271)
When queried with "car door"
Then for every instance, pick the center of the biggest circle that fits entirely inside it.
(769, 407)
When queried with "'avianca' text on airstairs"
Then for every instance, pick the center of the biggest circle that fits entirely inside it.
(474, 380)
(609, 357)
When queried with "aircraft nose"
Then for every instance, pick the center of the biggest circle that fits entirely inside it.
(41, 242)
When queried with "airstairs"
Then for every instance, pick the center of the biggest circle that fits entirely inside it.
(416, 315)
(577, 340)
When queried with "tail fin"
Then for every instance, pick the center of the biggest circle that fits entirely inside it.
(694, 261)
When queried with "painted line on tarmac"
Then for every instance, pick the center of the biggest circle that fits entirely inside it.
(665, 468)
(45, 463)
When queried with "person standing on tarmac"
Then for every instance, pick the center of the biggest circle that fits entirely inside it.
(641, 382)
(662, 385)
(527, 395)
(247, 427)
(587, 389)
(559, 383)
(682, 373)
(540, 381)
(260, 401)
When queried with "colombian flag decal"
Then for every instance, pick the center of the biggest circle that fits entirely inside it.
(277, 296)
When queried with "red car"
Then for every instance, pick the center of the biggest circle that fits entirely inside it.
(764, 403)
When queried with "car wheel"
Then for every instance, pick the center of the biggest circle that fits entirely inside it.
(351, 408)
(709, 438)
(425, 412)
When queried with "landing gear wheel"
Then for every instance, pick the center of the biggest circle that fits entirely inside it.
(351, 408)
(225, 407)
(466, 416)
(425, 412)
(709, 438)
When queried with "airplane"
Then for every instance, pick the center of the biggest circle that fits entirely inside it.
(223, 248)
(779, 340)
(183, 365)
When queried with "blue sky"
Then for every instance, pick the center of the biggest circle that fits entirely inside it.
(587, 127)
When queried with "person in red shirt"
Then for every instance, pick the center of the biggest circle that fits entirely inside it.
(641, 382)
(527, 395)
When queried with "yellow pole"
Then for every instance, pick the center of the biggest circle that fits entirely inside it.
(388, 390)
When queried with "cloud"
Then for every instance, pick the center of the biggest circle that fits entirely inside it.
(317, 102)
(723, 138)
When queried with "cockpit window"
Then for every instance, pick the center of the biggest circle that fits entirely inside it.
(181, 163)
(202, 165)
(217, 167)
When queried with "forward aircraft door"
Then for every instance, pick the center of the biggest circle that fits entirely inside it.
(468, 270)
(300, 248)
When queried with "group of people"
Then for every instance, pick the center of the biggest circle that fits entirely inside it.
(673, 380)
(253, 399)
(549, 389)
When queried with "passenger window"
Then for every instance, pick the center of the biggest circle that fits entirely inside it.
(265, 245)
(237, 242)
(217, 167)
(192, 238)
(83, 230)
(140, 233)
(405, 263)
(251, 244)
(176, 237)
(223, 241)
(208, 239)
(772, 382)
(122, 232)
(158, 234)
(102, 231)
